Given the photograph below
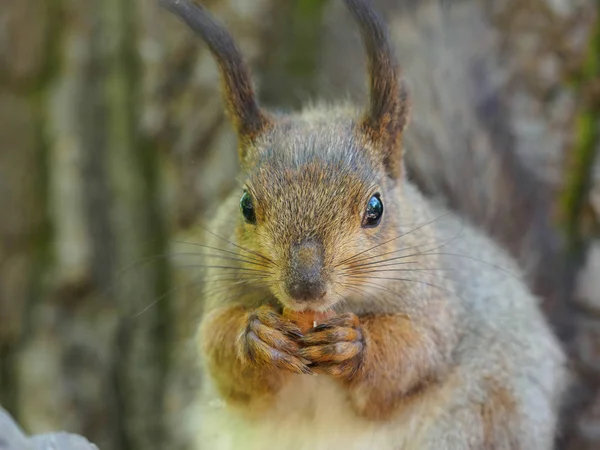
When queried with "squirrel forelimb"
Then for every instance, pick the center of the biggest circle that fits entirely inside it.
(378, 359)
(400, 357)
(249, 354)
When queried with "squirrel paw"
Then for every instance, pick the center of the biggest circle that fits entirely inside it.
(271, 341)
(335, 347)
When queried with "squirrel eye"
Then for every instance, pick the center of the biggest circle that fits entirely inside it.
(374, 212)
(247, 208)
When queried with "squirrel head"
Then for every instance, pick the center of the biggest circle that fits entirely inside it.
(321, 187)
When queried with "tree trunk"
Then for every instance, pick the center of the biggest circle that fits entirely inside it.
(115, 147)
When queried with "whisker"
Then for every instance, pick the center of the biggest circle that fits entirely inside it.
(502, 269)
(241, 277)
(209, 266)
(408, 301)
(449, 241)
(185, 286)
(380, 286)
(228, 258)
(114, 284)
(410, 281)
(241, 270)
(248, 284)
(429, 253)
(141, 261)
(197, 244)
(372, 268)
(357, 289)
(424, 272)
(391, 240)
(387, 260)
(165, 295)
(362, 263)
(239, 246)
(147, 259)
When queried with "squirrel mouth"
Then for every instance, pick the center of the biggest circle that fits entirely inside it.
(322, 303)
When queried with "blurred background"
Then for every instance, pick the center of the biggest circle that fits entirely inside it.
(115, 148)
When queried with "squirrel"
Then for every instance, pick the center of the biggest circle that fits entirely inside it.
(429, 338)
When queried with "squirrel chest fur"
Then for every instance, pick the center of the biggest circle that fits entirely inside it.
(434, 341)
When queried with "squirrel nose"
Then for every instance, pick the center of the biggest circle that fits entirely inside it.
(305, 278)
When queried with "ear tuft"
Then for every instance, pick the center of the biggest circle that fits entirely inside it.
(249, 120)
(389, 106)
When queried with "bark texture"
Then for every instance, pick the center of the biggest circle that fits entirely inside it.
(115, 148)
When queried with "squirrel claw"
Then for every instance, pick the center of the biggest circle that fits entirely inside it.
(270, 341)
(334, 348)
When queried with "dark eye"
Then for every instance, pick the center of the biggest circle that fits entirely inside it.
(248, 208)
(373, 213)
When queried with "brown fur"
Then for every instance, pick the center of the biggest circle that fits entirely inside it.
(497, 416)
(399, 358)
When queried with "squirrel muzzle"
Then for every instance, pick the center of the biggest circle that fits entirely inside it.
(305, 281)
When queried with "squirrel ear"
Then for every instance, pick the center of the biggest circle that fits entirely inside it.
(248, 119)
(388, 112)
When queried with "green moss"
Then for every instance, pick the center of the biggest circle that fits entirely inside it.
(293, 60)
(581, 158)
(310, 9)
(39, 250)
(139, 233)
